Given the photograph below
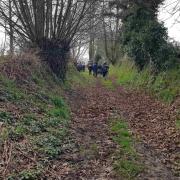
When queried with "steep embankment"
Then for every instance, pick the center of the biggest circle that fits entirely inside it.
(34, 119)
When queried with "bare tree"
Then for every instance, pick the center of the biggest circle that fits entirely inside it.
(173, 9)
(50, 25)
(114, 13)
(78, 50)
(111, 30)
(11, 32)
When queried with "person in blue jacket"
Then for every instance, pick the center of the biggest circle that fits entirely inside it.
(95, 69)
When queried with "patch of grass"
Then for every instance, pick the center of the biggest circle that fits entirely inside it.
(37, 80)
(53, 129)
(4, 135)
(60, 110)
(178, 124)
(126, 162)
(119, 126)
(125, 73)
(54, 122)
(16, 133)
(12, 92)
(47, 145)
(58, 102)
(127, 169)
(90, 152)
(5, 117)
(89, 79)
(165, 85)
(49, 133)
(75, 78)
(31, 174)
(57, 112)
(94, 149)
(108, 84)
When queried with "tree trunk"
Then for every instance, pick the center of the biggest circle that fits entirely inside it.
(11, 32)
(56, 54)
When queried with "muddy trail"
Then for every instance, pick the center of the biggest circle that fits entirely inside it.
(149, 120)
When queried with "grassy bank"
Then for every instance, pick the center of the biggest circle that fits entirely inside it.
(165, 86)
(34, 118)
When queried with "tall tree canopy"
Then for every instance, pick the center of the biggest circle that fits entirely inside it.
(51, 25)
(144, 38)
(54, 19)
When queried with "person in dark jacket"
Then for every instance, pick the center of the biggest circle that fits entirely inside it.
(95, 69)
(105, 70)
(80, 66)
(100, 69)
(90, 68)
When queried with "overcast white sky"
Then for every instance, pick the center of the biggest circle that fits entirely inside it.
(171, 21)
(173, 28)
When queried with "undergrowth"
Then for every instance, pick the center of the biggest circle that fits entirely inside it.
(38, 126)
(34, 119)
(75, 78)
(165, 86)
(126, 162)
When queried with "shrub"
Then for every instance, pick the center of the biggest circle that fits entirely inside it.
(145, 40)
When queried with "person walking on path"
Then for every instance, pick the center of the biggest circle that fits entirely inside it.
(95, 69)
(105, 70)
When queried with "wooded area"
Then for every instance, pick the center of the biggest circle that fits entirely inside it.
(61, 122)
(112, 28)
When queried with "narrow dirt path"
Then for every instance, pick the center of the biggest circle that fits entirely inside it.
(91, 156)
(90, 130)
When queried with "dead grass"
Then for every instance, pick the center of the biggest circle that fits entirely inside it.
(20, 68)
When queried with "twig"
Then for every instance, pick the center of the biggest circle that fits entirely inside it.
(9, 159)
(22, 153)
